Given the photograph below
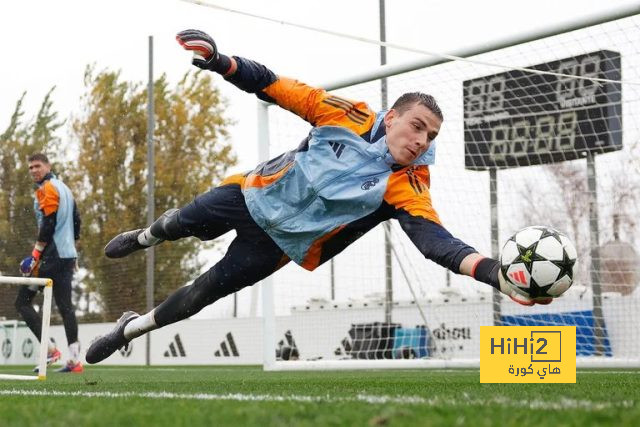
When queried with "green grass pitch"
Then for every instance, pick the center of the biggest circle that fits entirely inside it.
(239, 396)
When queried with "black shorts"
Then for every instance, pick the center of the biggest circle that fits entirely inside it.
(218, 211)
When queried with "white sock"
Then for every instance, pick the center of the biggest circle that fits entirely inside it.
(140, 326)
(74, 351)
(147, 239)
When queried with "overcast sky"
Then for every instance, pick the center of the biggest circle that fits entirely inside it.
(49, 43)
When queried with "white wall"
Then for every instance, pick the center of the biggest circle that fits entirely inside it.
(319, 332)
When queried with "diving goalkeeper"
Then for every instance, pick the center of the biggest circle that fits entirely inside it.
(354, 170)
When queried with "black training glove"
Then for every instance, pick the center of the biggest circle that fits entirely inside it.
(488, 270)
(205, 52)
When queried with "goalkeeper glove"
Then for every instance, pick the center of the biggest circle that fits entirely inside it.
(205, 52)
(488, 270)
(29, 265)
(517, 295)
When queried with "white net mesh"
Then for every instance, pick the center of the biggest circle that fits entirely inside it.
(527, 119)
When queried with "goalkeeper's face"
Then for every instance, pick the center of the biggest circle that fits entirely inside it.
(410, 132)
(38, 169)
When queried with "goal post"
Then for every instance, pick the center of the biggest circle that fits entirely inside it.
(334, 317)
(47, 284)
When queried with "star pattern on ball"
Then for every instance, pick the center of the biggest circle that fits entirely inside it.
(527, 255)
(549, 232)
(565, 265)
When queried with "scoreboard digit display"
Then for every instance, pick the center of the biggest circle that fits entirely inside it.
(518, 118)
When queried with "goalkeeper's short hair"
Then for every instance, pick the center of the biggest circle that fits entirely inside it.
(38, 157)
(409, 99)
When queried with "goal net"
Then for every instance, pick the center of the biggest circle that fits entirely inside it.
(553, 123)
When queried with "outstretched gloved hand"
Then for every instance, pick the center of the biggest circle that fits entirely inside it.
(517, 295)
(205, 52)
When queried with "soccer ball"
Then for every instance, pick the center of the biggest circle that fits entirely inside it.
(539, 262)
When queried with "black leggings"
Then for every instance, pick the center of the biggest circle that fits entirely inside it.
(61, 272)
(251, 257)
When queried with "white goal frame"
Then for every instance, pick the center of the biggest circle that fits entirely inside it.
(266, 286)
(46, 320)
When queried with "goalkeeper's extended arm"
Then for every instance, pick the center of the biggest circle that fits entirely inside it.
(245, 74)
(312, 104)
(437, 244)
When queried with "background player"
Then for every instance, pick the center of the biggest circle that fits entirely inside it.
(54, 256)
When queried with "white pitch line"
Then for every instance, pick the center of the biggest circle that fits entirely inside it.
(425, 371)
(465, 400)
